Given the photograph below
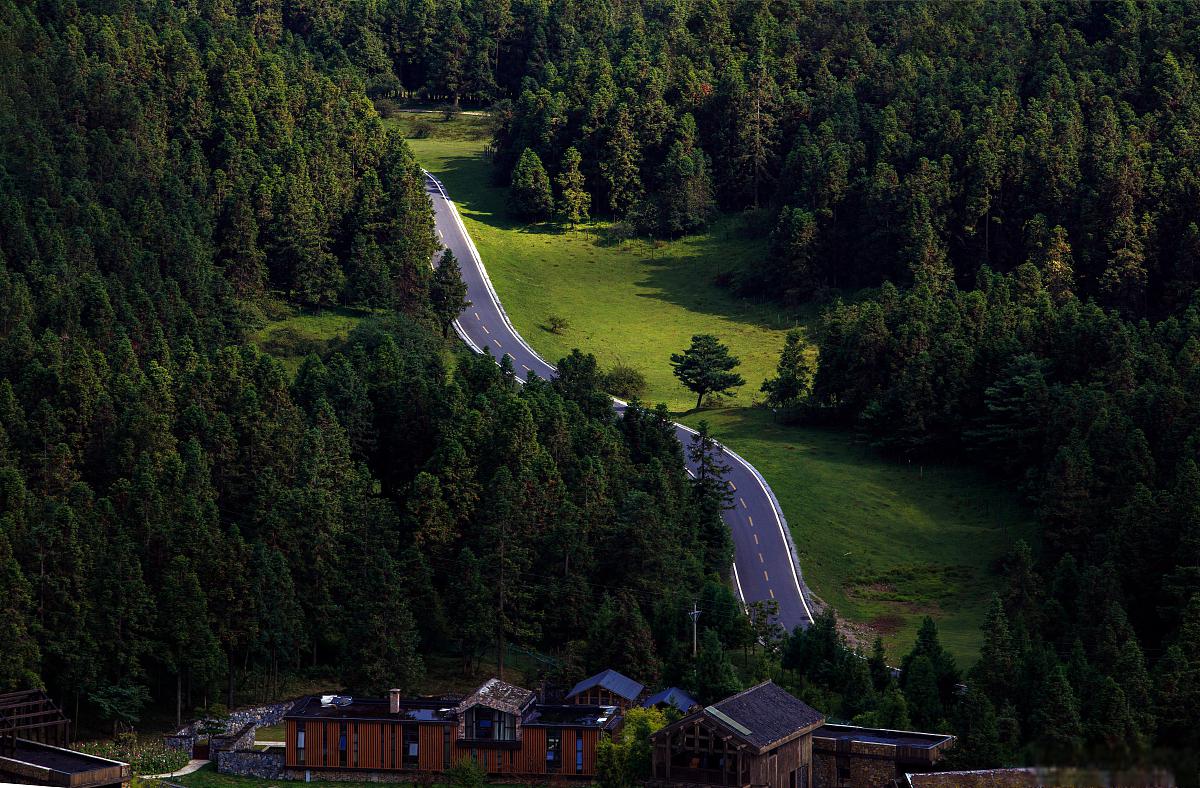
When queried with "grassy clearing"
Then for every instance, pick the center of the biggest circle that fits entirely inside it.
(635, 302)
(292, 333)
(270, 733)
(883, 543)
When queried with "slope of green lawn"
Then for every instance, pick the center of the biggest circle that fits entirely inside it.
(881, 542)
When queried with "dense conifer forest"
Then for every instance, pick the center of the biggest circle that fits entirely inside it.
(176, 514)
(996, 202)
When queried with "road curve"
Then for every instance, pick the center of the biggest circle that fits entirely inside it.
(765, 561)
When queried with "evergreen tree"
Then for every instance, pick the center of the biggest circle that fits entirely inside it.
(529, 195)
(921, 692)
(574, 200)
(793, 374)
(448, 292)
(20, 661)
(714, 677)
(996, 671)
(881, 674)
(706, 367)
(978, 745)
(620, 164)
(1059, 730)
(190, 645)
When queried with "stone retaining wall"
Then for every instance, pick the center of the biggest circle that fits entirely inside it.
(181, 741)
(269, 714)
(242, 739)
(265, 765)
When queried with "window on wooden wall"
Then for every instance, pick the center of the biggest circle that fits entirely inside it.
(354, 744)
(446, 747)
(300, 742)
(578, 753)
(554, 750)
(341, 744)
(412, 746)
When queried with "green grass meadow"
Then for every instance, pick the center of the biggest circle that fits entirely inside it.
(884, 543)
(292, 333)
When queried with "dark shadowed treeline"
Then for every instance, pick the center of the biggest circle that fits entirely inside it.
(176, 514)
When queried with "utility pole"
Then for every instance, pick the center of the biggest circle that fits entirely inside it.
(695, 614)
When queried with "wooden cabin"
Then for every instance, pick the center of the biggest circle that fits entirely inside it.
(500, 726)
(671, 698)
(608, 688)
(759, 737)
(34, 740)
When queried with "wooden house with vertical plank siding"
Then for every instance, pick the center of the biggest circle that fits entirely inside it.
(608, 688)
(500, 726)
(760, 737)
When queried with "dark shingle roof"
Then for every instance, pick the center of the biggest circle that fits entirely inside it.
(497, 694)
(673, 696)
(614, 682)
(766, 713)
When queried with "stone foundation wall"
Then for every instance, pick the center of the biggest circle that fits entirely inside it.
(872, 765)
(265, 765)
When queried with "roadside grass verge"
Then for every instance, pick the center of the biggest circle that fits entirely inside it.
(883, 543)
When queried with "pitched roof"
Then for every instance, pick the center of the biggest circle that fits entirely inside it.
(611, 680)
(672, 696)
(765, 714)
(500, 695)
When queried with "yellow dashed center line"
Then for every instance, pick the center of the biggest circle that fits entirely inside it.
(772, 590)
(497, 342)
(732, 486)
(756, 538)
(751, 520)
(526, 367)
(765, 576)
(760, 559)
(743, 500)
(485, 330)
(477, 316)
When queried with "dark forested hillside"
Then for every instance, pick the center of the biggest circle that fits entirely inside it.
(176, 514)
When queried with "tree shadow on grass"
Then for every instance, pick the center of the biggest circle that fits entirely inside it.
(689, 282)
(468, 181)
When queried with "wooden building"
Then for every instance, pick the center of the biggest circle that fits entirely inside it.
(608, 688)
(848, 756)
(759, 737)
(500, 726)
(671, 698)
(34, 736)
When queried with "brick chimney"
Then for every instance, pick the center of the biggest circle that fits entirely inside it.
(394, 701)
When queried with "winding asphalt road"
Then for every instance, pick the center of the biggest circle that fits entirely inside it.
(765, 561)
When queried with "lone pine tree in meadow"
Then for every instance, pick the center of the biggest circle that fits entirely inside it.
(707, 367)
(529, 196)
(448, 292)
